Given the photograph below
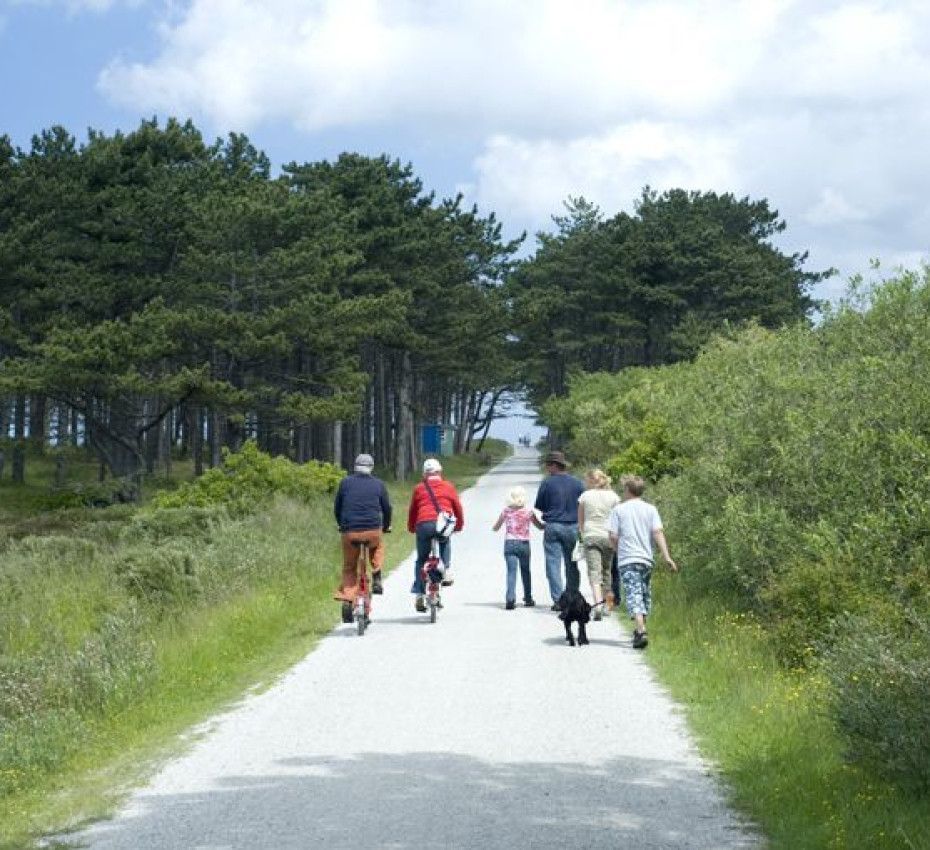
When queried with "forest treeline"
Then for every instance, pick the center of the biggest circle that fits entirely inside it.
(160, 294)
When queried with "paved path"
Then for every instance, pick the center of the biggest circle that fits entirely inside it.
(484, 730)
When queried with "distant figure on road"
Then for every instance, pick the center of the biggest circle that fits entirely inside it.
(363, 511)
(634, 525)
(557, 501)
(594, 508)
(431, 495)
(517, 518)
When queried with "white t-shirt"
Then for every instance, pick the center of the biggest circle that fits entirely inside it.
(597, 504)
(633, 522)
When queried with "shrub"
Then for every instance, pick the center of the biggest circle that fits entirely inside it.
(156, 525)
(880, 678)
(163, 576)
(649, 453)
(249, 479)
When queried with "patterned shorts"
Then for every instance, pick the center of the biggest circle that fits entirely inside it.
(636, 592)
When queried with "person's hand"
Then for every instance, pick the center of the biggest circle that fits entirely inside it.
(671, 565)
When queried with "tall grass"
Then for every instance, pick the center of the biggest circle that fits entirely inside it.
(112, 642)
(769, 729)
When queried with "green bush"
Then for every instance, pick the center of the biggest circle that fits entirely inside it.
(158, 524)
(248, 481)
(881, 696)
(794, 481)
(162, 576)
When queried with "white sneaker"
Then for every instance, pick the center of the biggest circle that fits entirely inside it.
(448, 579)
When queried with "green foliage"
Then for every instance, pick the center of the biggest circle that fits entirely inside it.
(249, 480)
(649, 454)
(653, 287)
(800, 483)
(880, 672)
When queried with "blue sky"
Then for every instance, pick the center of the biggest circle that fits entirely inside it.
(821, 106)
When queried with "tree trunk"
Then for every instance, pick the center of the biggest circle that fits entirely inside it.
(75, 426)
(37, 430)
(19, 418)
(195, 437)
(337, 443)
(403, 463)
(19, 463)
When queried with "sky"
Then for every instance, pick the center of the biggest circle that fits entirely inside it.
(821, 107)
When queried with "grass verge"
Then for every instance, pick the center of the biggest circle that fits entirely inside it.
(767, 729)
(72, 755)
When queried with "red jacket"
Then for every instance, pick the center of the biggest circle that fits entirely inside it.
(421, 505)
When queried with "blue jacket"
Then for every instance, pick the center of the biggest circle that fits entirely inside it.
(362, 503)
(557, 498)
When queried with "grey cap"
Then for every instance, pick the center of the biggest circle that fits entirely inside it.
(364, 463)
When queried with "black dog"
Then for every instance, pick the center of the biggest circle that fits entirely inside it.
(574, 608)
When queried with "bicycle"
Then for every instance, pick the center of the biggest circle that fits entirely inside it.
(359, 612)
(433, 571)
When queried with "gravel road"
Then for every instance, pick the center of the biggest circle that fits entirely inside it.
(484, 730)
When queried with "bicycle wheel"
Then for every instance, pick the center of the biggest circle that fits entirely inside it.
(361, 622)
(432, 611)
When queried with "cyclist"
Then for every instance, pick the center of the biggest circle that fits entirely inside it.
(363, 511)
(432, 492)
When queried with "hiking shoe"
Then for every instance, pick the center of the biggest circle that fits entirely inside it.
(640, 640)
(376, 586)
(509, 605)
(347, 612)
(448, 579)
(529, 603)
(420, 604)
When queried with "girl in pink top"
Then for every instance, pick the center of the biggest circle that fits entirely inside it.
(517, 518)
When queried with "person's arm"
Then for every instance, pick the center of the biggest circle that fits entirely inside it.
(500, 521)
(537, 521)
(613, 528)
(540, 503)
(412, 512)
(337, 502)
(457, 509)
(659, 536)
(580, 517)
(387, 511)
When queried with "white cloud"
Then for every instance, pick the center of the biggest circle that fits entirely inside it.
(521, 177)
(75, 6)
(820, 106)
(833, 208)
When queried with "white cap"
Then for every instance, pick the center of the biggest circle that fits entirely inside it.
(431, 465)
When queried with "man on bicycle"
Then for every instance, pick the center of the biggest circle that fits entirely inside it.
(363, 511)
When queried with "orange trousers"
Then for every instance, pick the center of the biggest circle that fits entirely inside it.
(349, 586)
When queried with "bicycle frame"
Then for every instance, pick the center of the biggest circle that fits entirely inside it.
(432, 573)
(361, 611)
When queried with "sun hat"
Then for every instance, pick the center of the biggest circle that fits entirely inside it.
(557, 458)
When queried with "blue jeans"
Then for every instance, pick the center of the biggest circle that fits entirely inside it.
(615, 578)
(558, 542)
(517, 554)
(426, 531)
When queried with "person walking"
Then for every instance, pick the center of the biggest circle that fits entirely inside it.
(363, 511)
(432, 495)
(517, 518)
(557, 502)
(594, 507)
(634, 526)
